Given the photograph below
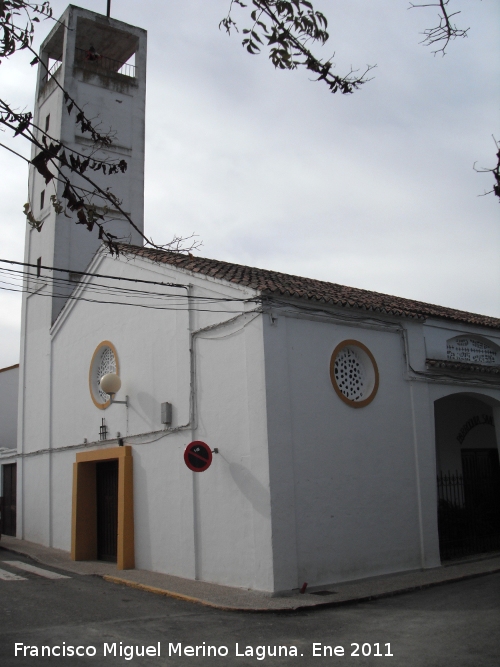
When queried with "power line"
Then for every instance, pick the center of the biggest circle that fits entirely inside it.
(93, 275)
(113, 277)
(114, 289)
(135, 297)
(71, 297)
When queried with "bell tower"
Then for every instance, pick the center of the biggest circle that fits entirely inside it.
(100, 63)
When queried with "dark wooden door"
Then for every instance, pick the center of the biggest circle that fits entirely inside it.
(107, 509)
(9, 485)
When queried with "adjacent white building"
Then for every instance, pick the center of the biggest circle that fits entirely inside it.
(337, 413)
(9, 389)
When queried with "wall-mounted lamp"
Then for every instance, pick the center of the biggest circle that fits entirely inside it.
(110, 384)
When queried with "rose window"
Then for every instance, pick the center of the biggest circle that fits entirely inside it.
(349, 374)
(103, 361)
(354, 373)
(106, 365)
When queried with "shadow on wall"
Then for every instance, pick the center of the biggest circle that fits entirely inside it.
(149, 407)
(251, 488)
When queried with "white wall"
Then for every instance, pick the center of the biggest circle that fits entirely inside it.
(353, 490)
(9, 387)
(215, 525)
(233, 517)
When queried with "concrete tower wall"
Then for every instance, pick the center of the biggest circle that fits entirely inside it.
(112, 95)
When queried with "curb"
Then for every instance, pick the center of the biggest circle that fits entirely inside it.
(180, 596)
(319, 605)
(259, 610)
(22, 553)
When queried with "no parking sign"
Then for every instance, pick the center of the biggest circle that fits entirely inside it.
(198, 456)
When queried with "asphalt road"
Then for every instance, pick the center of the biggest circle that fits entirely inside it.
(455, 625)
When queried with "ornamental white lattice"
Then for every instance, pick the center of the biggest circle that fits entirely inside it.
(106, 364)
(350, 374)
(470, 350)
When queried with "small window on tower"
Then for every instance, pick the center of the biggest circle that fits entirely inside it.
(42, 199)
(47, 122)
(39, 267)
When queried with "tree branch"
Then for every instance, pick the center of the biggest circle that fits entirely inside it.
(445, 31)
(495, 171)
(288, 26)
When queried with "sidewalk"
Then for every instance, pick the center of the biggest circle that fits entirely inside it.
(238, 599)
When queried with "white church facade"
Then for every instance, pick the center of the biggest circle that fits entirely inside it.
(353, 433)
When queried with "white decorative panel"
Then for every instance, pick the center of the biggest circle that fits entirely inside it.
(471, 350)
(106, 364)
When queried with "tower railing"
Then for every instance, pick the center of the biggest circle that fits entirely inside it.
(52, 71)
(102, 64)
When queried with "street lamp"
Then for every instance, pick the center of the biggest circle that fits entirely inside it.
(110, 384)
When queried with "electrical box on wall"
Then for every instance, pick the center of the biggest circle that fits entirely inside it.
(166, 413)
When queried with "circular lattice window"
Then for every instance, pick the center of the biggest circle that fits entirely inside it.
(105, 360)
(354, 373)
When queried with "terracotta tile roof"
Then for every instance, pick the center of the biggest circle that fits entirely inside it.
(273, 283)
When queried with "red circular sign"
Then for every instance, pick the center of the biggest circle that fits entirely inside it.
(198, 456)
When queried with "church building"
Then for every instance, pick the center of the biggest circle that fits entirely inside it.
(339, 433)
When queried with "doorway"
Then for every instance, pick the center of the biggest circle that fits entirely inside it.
(103, 507)
(468, 481)
(106, 473)
(9, 499)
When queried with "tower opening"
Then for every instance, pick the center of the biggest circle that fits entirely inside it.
(105, 50)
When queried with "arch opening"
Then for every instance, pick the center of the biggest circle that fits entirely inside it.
(468, 476)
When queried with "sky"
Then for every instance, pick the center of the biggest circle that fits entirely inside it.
(374, 190)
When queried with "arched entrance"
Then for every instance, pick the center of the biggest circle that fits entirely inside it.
(468, 478)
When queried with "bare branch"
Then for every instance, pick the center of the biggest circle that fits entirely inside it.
(495, 171)
(445, 31)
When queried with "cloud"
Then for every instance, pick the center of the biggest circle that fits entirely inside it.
(375, 190)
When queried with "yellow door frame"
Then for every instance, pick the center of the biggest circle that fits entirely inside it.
(84, 514)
